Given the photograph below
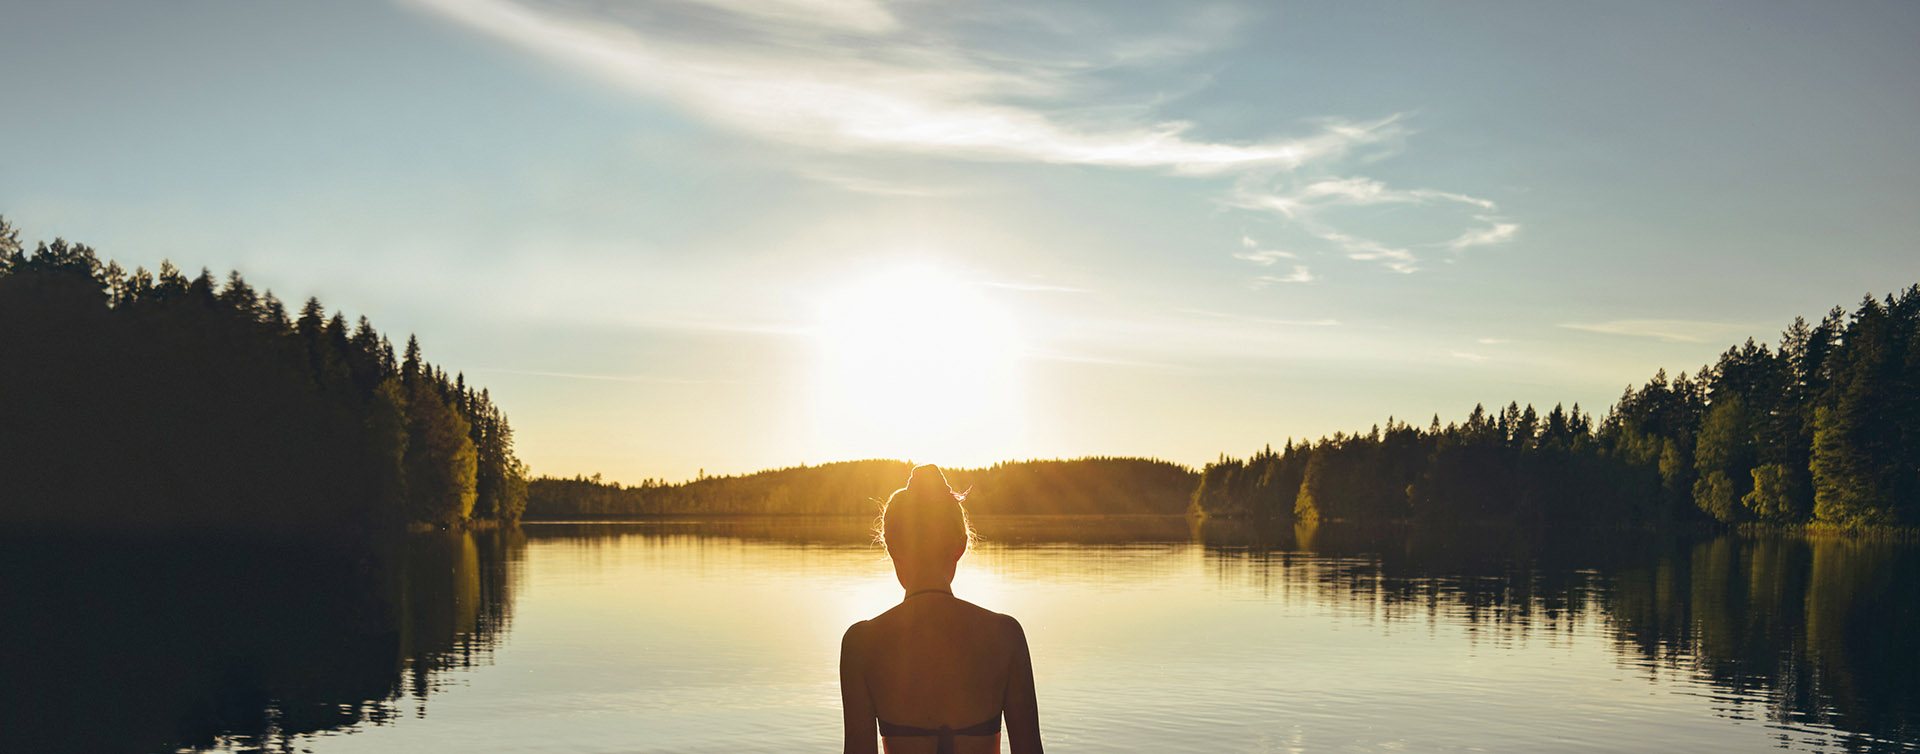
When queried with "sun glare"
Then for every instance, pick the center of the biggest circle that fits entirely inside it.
(917, 364)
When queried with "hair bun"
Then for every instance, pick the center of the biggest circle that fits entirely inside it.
(927, 479)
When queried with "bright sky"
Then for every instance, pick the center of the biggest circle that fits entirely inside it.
(737, 234)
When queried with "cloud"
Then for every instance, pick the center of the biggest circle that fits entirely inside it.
(1367, 250)
(1264, 258)
(1299, 275)
(1492, 341)
(863, 79)
(962, 82)
(864, 184)
(1669, 330)
(1309, 204)
(1366, 191)
(1495, 232)
(851, 15)
(1473, 357)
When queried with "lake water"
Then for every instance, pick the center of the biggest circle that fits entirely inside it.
(1148, 635)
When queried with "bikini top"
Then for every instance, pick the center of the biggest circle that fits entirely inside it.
(988, 727)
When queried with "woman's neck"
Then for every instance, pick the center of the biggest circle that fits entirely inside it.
(916, 580)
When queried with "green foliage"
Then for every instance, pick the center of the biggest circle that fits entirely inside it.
(140, 401)
(1715, 494)
(1723, 455)
(1773, 498)
(440, 459)
(1827, 426)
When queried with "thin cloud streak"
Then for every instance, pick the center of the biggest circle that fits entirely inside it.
(1300, 274)
(1669, 330)
(849, 15)
(1264, 258)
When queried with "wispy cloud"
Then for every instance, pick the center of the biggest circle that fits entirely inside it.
(1368, 250)
(862, 79)
(1464, 356)
(1300, 274)
(850, 15)
(1670, 330)
(1495, 232)
(1309, 204)
(1264, 257)
(1492, 341)
(873, 77)
(856, 182)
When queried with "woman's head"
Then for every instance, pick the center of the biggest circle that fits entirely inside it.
(925, 521)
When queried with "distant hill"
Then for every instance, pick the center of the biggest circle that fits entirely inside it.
(1078, 486)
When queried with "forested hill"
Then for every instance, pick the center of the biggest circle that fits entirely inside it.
(1823, 428)
(1084, 485)
(132, 400)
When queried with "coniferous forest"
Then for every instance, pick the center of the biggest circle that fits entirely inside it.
(1823, 428)
(156, 400)
(141, 400)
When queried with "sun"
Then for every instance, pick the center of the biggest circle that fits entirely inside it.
(916, 363)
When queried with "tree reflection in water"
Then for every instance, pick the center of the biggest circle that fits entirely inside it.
(1825, 630)
(144, 646)
(1822, 629)
(138, 645)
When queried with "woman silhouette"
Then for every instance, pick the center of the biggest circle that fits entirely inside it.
(935, 672)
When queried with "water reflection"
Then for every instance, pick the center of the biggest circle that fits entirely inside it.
(1813, 639)
(1151, 634)
(133, 645)
(1822, 632)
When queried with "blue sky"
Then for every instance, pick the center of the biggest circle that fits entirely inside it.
(1188, 228)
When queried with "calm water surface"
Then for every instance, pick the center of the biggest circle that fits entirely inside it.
(1148, 635)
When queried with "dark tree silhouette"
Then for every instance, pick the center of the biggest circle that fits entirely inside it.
(135, 402)
(1823, 429)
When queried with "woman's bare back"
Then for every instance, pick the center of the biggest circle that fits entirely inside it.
(935, 660)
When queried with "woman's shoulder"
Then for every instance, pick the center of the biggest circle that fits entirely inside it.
(856, 634)
(1009, 626)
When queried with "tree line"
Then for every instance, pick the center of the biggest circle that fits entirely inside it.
(138, 399)
(1822, 428)
(1077, 486)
